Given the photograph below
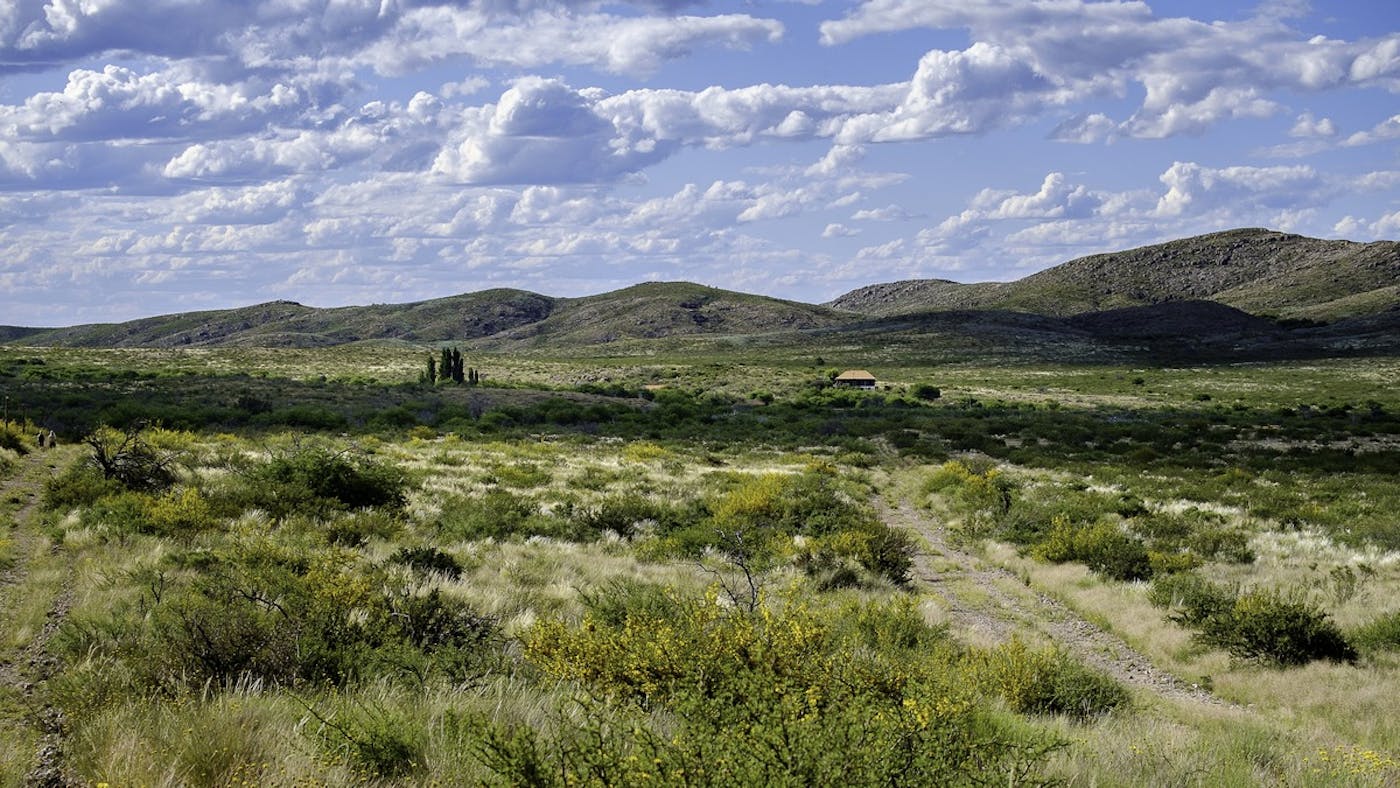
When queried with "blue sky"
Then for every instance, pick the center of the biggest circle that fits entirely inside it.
(171, 155)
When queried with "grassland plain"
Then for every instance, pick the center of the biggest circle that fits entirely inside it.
(671, 567)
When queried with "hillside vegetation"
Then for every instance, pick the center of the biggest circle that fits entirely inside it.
(1300, 281)
(656, 310)
(289, 324)
(1258, 271)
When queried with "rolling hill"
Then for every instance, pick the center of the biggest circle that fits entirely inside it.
(1252, 292)
(1258, 271)
(286, 323)
(498, 318)
(654, 310)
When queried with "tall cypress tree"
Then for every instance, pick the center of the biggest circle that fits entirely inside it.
(457, 375)
(445, 366)
(432, 370)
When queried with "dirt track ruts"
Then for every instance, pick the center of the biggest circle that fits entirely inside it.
(23, 670)
(1010, 605)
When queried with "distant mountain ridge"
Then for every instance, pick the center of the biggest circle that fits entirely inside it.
(1255, 270)
(489, 317)
(287, 323)
(1230, 287)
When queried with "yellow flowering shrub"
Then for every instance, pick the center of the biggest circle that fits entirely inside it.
(778, 696)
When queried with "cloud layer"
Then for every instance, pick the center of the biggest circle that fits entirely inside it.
(159, 154)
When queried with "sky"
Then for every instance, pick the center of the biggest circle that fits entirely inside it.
(163, 156)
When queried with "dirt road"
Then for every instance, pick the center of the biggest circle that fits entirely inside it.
(994, 603)
(26, 663)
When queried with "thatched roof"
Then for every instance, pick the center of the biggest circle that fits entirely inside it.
(855, 374)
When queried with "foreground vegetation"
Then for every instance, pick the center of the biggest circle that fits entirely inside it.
(263, 567)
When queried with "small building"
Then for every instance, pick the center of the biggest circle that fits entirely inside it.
(855, 379)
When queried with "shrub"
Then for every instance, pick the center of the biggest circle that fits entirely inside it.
(1381, 634)
(1262, 625)
(1106, 549)
(317, 481)
(757, 698)
(1044, 681)
(1192, 599)
(497, 514)
(1218, 543)
(1172, 562)
(80, 484)
(1283, 628)
(879, 549)
(311, 417)
(925, 391)
(620, 514)
(895, 626)
(386, 743)
(621, 598)
(428, 559)
(287, 614)
(524, 475)
(353, 529)
(760, 515)
(982, 498)
(12, 439)
(1103, 547)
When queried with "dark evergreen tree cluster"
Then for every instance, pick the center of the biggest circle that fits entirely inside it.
(449, 366)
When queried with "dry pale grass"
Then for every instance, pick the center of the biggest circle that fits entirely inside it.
(1195, 745)
(1333, 703)
(1318, 707)
(520, 582)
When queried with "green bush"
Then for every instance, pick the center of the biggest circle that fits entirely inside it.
(928, 392)
(283, 611)
(1219, 543)
(181, 512)
(80, 484)
(1261, 625)
(12, 439)
(761, 517)
(354, 529)
(1172, 562)
(982, 498)
(620, 514)
(771, 697)
(1044, 681)
(1381, 634)
(384, 742)
(317, 480)
(621, 598)
(1103, 547)
(523, 475)
(1192, 599)
(428, 559)
(1106, 549)
(1283, 628)
(876, 547)
(496, 514)
(126, 458)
